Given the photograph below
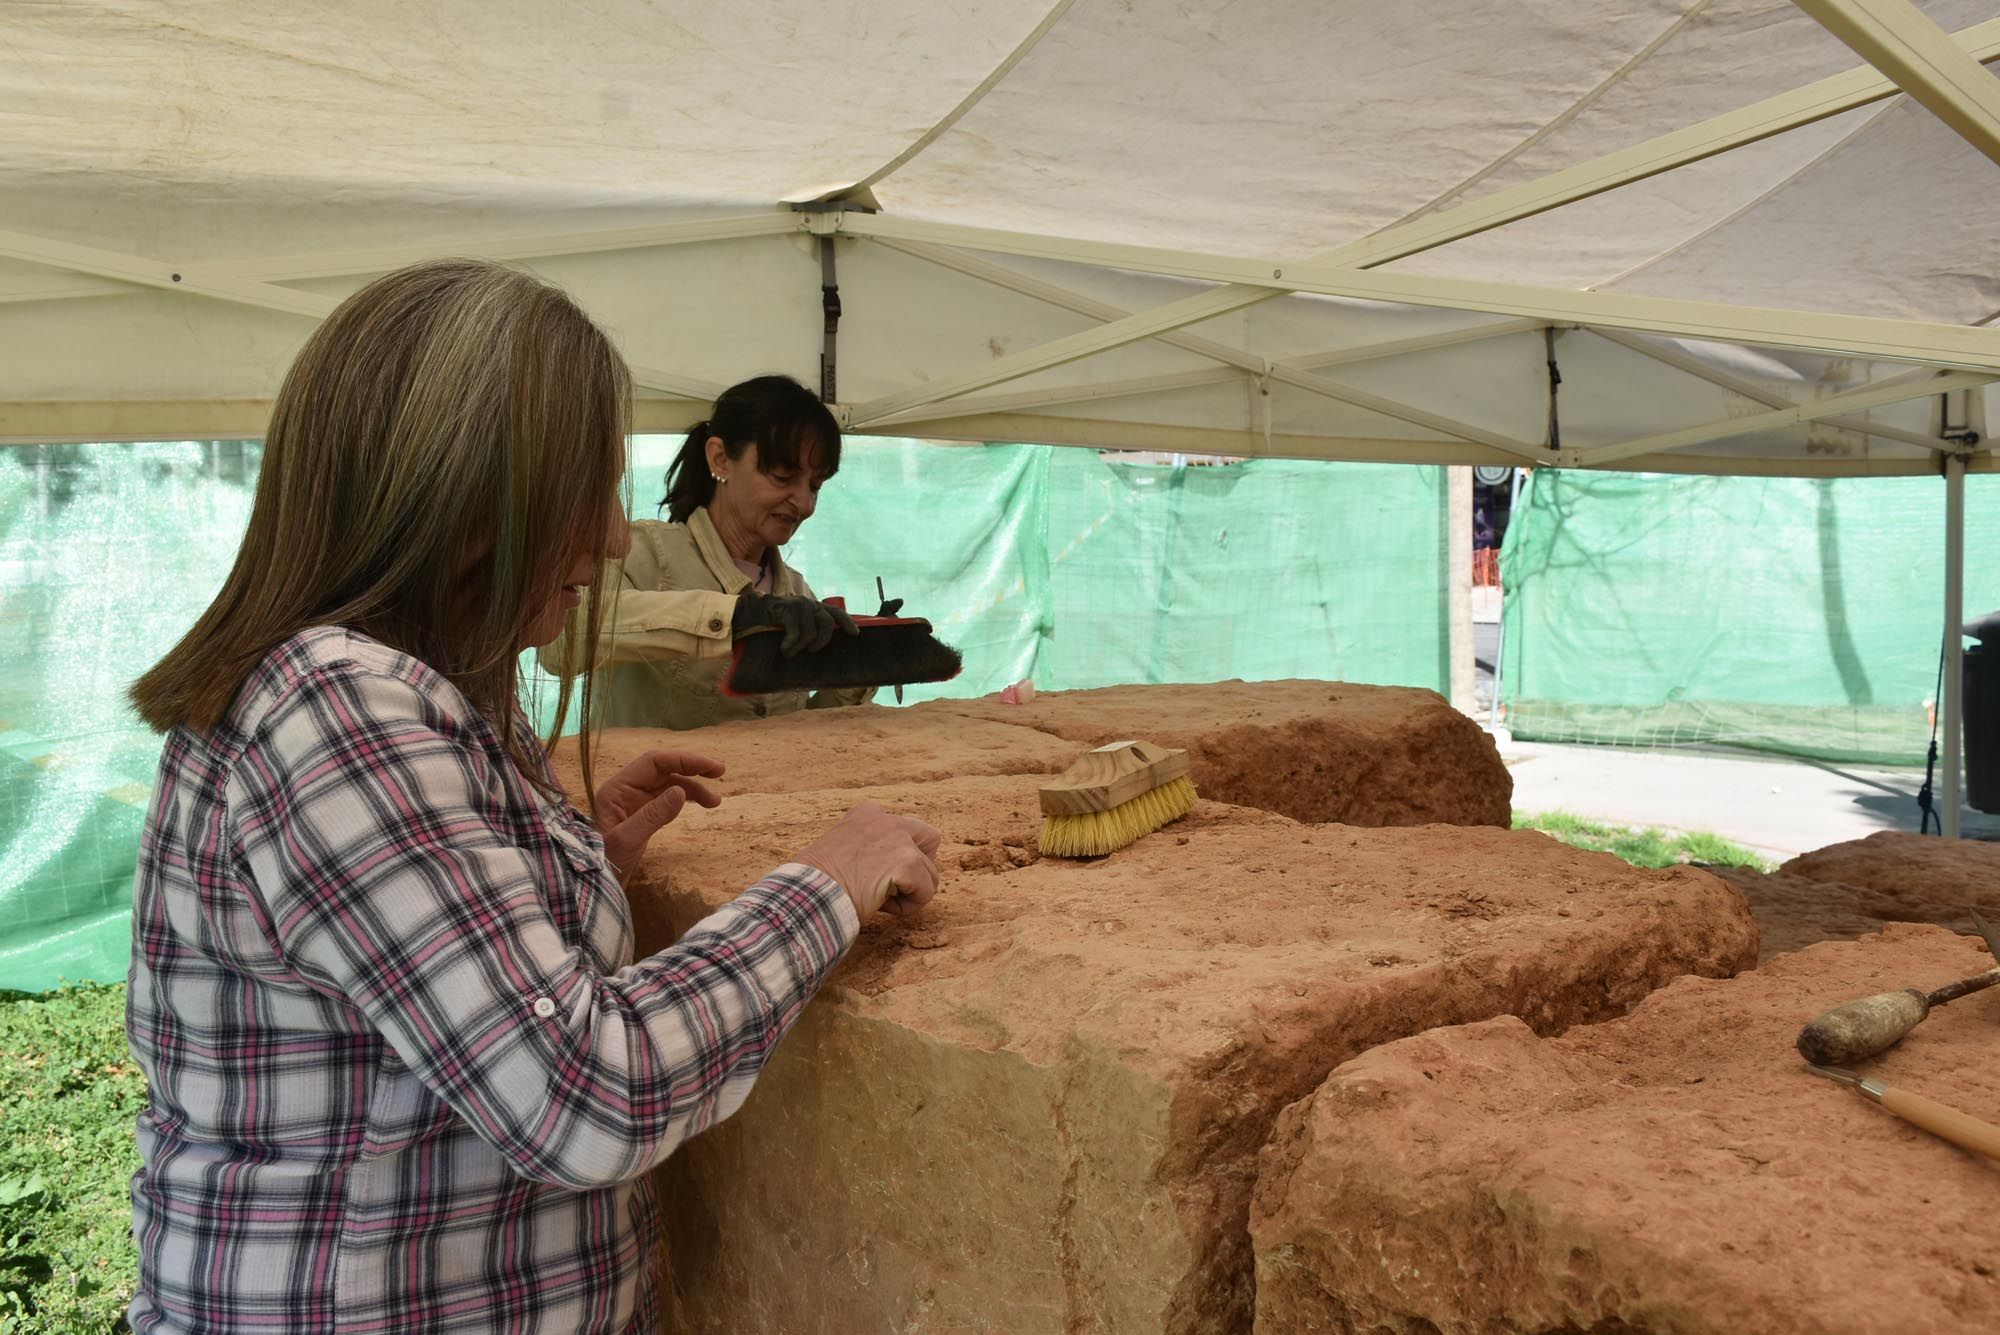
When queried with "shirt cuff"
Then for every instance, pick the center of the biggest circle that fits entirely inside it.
(816, 913)
(832, 894)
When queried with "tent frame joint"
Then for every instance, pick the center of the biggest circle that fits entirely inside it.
(828, 217)
(822, 217)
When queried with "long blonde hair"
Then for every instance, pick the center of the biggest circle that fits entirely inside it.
(447, 437)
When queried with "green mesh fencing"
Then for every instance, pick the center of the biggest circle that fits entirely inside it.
(1082, 570)
(1782, 614)
(107, 555)
(1261, 570)
(1059, 565)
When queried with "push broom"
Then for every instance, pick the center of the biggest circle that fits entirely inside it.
(1113, 795)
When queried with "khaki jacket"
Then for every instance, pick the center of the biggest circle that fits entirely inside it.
(664, 641)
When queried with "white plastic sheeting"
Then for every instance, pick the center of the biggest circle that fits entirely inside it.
(184, 187)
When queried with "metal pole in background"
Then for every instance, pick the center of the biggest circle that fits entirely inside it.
(1954, 641)
(1458, 596)
(1500, 638)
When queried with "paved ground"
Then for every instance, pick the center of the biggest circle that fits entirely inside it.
(1778, 807)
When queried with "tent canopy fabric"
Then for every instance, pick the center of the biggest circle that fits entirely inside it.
(1273, 227)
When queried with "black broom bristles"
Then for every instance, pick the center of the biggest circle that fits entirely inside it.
(893, 652)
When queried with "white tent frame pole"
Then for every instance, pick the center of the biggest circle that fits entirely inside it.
(1739, 465)
(1375, 403)
(1718, 134)
(969, 407)
(1705, 139)
(1058, 395)
(251, 282)
(247, 292)
(1954, 643)
(1443, 338)
(1775, 115)
(1668, 355)
(1867, 337)
(223, 280)
(59, 287)
(1899, 390)
(1240, 358)
(1092, 392)
(544, 245)
(160, 274)
(1228, 442)
(966, 103)
(1925, 62)
(1117, 334)
(1463, 674)
(1500, 634)
(1761, 120)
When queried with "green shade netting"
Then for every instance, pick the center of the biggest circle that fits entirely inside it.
(1793, 615)
(1059, 565)
(107, 554)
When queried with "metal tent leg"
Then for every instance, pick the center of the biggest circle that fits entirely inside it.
(1500, 639)
(1954, 642)
(1458, 591)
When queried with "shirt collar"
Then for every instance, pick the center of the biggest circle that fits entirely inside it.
(715, 555)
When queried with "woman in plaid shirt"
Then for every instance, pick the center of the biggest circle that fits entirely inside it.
(405, 1074)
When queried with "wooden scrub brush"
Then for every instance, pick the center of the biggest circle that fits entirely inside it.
(1112, 796)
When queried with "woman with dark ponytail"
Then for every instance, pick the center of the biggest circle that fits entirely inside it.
(745, 480)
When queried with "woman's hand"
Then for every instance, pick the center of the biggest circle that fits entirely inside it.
(645, 796)
(879, 859)
(806, 623)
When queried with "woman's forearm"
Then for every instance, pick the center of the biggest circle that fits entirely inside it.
(643, 625)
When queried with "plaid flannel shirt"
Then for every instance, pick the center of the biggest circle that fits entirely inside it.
(405, 1075)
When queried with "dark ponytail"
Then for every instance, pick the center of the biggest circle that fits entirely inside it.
(781, 417)
(689, 486)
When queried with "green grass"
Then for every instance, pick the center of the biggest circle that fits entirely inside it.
(1641, 847)
(68, 1095)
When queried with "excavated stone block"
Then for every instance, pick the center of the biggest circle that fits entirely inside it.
(1037, 1108)
(1850, 889)
(819, 748)
(1312, 750)
(1960, 871)
(1678, 1170)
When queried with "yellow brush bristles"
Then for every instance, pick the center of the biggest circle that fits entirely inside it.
(1095, 833)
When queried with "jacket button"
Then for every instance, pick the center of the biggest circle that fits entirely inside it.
(715, 623)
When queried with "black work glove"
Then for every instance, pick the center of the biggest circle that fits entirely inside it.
(807, 624)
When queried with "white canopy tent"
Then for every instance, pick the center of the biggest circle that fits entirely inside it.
(1746, 236)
